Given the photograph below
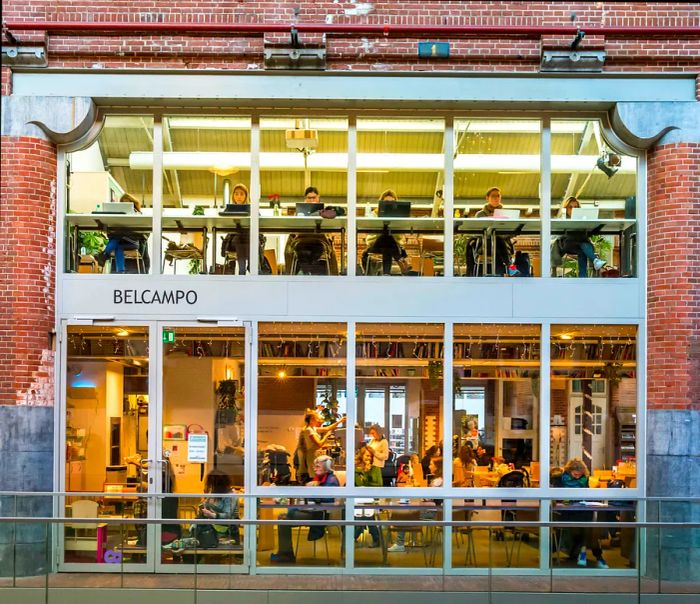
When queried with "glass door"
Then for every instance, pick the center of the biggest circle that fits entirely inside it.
(106, 463)
(200, 440)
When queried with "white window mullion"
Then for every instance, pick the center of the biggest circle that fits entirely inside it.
(448, 197)
(157, 202)
(545, 195)
(351, 237)
(255, 192)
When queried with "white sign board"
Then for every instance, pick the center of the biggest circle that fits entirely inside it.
(197, 448)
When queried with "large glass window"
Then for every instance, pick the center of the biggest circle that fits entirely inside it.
(206, 194)
(496, 405)
(203, 429)
(594, 401)
(497, 197)
(593, 203)
(301, 383)
(107, 409)
(303, 205)
(109, 204)
(400, 183)
(399, 389)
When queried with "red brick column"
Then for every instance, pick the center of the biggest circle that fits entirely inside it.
(27, 270)
(673, 374)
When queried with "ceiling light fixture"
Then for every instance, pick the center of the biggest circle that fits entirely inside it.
(609, 163)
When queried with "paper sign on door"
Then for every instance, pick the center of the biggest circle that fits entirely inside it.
(197, 448)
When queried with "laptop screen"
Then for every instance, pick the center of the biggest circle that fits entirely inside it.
(584, 213)
(308, 209)
(395, 209)
(236, 208)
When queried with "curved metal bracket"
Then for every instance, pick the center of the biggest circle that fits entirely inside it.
(62, 138)
(630, 137)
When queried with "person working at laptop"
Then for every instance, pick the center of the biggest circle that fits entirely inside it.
(578, 243)
(121, 239)
(238, 243)
(504, 245)
(305, 251)
(386, 245)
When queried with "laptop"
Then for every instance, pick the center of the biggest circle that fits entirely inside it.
(308, 209)
(508, 214)
(588, 213)
(235, 209)
(116, 207)
(394, 209)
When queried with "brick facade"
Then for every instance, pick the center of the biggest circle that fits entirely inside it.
(27, 270)
(30, 164)
(673, 282)
(358, 52)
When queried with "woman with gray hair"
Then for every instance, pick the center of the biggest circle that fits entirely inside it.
(323, 477)
(380, 448)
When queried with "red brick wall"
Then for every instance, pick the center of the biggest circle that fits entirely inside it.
(673, 277)
(27, 267)
(488, 53)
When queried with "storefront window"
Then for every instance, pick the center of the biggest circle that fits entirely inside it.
(206, 176)
(594, 402)
(303, 203)
(495, 545)
(203, 430)
(109, 201)
(497, 198)
(301, 383)
(400, 183)
(399, 389)
(593, 203)
(107, 409)
(496, 405)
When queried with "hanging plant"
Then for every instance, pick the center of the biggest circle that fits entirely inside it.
(329, 409)
(434, 372)
(228, 410)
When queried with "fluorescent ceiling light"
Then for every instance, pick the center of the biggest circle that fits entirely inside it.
(395, 162)
(207, 123)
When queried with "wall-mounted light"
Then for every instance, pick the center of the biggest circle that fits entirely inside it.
(609, 163)
(122, 333)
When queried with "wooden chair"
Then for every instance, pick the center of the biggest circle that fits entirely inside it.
(86, 536)
(271, 256)
(432, 256)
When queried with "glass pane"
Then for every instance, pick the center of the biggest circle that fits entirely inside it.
(400, 181)
(303, 209)
(206, 204)
(497, 198)
(496, 405)
(594, 402)
(203, 404)
(594, 192)
(413, 544)
(399, 389)
(107, 408)
(109, 200)
(297, 544)
(495, 545)
(299, 365)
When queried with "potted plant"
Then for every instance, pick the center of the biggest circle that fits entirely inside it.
(92, 242)
(227, 408)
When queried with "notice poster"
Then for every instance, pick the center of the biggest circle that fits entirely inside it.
(197, 448)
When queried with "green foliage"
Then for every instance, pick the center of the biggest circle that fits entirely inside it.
(460, 251)
(226, 401)
(198, 211)
(329, 409)
(194, 267)
(93, 241)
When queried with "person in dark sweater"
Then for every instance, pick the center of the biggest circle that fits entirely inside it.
(578, 243)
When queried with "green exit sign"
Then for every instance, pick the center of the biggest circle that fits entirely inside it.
(433, 50)
(168, 336)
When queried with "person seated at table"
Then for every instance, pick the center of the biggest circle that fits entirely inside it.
(575, 476)
(577, 242)
(504, 245)
(482, 456)
(311, 441)
(464, 465)
(310, 253)
(323, 477)
(386, 245)
(239, 241)
(367, 475)
(436, 472)
(121, 239)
